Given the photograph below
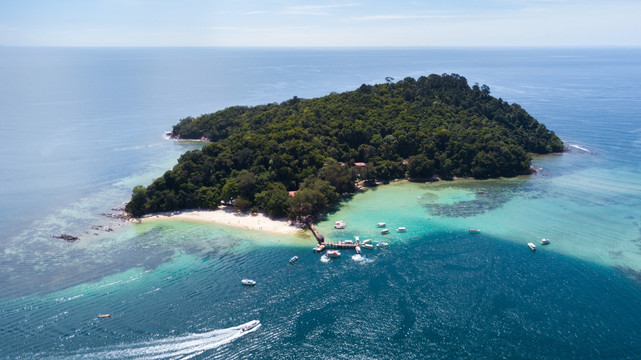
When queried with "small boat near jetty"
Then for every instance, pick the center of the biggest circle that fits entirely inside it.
(532, 246)
(319, 248)
(382, 244)
(381, 224)
(102, 316)
(475, 231)
(367, 246)
(366, 241)
(545, 241)
(401, 229)
(293, 259)
(358, 249)
(250, 325)
(339, 225)
(333, 253)
(248, 282)
(384, 231)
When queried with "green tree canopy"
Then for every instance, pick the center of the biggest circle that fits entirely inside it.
(434, 125)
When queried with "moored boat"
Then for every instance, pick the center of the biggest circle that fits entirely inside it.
(380, 224)
(475, 231)
(293, 259)
(401, 229)
(319, 248)
(358, 249)
(366, 241)
(367, 246)
(532, 246)
(382, 244)
(339, 225)
(248, 282)
(333, 253)
(385, 231)
(250, 325)
(545, 241)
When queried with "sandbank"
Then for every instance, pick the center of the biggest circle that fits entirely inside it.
(230, 217)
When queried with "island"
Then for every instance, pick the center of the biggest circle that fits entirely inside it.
(297, 158)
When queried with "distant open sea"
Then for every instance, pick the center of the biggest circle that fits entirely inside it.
(82, 126)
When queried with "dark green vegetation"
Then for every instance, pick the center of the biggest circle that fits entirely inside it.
(436, 125)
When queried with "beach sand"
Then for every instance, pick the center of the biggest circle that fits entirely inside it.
(230, 217)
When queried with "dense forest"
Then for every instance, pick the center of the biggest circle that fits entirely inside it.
(435, 126)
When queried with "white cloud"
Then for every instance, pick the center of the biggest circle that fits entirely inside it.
(321, 10)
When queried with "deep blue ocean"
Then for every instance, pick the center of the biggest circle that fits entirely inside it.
(82, 126)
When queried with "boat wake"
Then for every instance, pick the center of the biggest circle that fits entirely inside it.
(180, 347)
(325, 258)
(579, 148)
(360, 258)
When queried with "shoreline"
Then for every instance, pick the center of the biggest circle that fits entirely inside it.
(230, 217)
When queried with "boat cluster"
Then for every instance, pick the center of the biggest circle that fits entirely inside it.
(544, 241)
(356, 244)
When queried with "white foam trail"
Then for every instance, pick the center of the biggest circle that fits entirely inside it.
(181, 347)
(360, 258)
(579, 147)
(325, 258)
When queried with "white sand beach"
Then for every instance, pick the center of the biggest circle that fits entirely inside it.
(230, 217)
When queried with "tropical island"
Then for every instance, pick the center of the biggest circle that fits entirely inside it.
(296, 158)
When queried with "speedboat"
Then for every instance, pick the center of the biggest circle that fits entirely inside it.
(319, 248)
(367, 246)
(250, 325)
(385, 231)
(382, 244)
(102, 316)
(545, 241)
(401, 229)
(475, 231)
(381, 224)
(532, 246)
(293, 259)
(339, 225)
(248, 282)
(333, 253)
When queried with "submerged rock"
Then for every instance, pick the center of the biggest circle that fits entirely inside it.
(66, 237)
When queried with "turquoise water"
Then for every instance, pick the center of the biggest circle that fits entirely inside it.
(83, 126)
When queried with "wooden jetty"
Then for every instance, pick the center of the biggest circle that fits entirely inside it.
(330, 245)
(319, 237)
(340, 245)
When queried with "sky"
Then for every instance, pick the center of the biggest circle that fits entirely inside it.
(320, 23)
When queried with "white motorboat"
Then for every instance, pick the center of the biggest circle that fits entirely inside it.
(382, 244)
(293, 259)
(381, 224)
(532, 246)
(475, 231)
(339, 225)
(401, 229)
(545, 241)
(366, 241)
(385, 231)
(333, 253)
(250, 325)
(367, 246)
(319, 248)
(248, 282)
